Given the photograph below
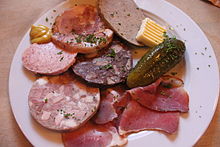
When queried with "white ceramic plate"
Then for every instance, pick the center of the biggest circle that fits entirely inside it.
(201, 81)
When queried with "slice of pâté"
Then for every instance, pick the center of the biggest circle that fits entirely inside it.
(123, 16)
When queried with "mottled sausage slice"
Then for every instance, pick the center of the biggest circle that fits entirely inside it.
(47, 59)
(62, 103)
(111, 68)
(80, 29)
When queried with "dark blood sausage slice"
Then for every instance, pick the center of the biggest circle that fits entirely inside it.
(136, 118)
(80, 29)
(47, 59)
(111, 68)
(62, 103)
(91, 135)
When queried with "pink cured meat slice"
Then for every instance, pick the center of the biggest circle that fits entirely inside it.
(137, 118)
(80, 29)
(215, 2)
(108, 109)
(91, 135)
(81, 19)
(62, 103)
(47, 59)
(161, 98)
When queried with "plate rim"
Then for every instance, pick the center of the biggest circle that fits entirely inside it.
(60, 4)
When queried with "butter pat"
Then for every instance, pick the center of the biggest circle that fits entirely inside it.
(150, 33)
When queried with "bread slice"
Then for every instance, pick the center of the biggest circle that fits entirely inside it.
(123, 16)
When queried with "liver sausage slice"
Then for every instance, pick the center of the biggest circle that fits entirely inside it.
(123, 16)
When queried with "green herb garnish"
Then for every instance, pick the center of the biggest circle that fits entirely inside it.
(173, 73)
(59, 53)
(108, 66)
(67, 115)
(165, 35)
(45, 100)
(112, 53)
(79, 39)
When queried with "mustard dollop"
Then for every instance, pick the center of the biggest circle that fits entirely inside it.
(40, 34)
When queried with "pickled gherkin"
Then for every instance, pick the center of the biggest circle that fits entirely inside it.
(156, 62)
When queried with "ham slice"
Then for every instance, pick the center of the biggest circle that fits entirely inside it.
(215, 2)
(91, 135)
(137, 118)
(80, 29)
(110, 106)
(163, 95)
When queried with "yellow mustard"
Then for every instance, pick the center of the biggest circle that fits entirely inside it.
(40, 34)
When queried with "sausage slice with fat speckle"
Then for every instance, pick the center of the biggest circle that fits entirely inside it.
(62, 103)
(109, 69)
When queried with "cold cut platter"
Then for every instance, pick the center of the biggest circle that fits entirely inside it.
(97, 73)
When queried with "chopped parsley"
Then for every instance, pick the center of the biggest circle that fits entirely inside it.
(108, 66)
(90, 38)
(67, 115)
(167, 85)
(173, 73)
(165, 35)
(59, 53)
(165, 94)
(45, 100)
(171, 28)
(79, 39)
(101, 39)
(112, 53)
